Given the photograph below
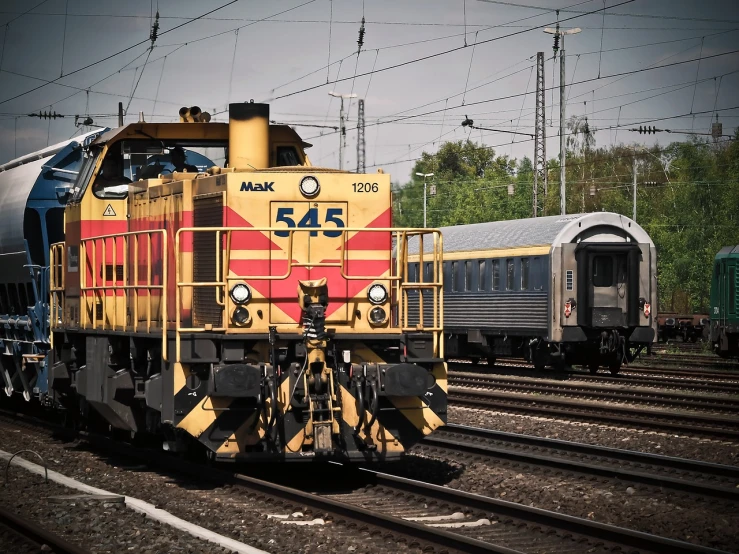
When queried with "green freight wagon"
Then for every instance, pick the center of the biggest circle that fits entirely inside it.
(725, 303)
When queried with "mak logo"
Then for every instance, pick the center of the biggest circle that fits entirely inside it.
(257, 187)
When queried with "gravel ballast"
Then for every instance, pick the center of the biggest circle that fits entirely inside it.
(230, 511)
(97, 525)
(667, 444)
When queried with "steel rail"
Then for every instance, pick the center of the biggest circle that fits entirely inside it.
(583, 527)
(445, 541)
(440, 539)
(604, 413)
(672, 380)
(551, 453)
(597, 392)
(37, 534)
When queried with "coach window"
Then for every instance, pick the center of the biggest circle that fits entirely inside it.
(468, 276)
(482, 277)
(524, 274)
(454, 276)
(428, 272)
(510, 272)
(602, 271)
(537, 272)
(496, 274)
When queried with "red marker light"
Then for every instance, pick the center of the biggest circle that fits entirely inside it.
(568, 309)
(647, 309)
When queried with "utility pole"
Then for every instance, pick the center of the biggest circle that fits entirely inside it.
(361, 167)
(560, 34)
(342, 126)
(540, 138)
(633, 213)
(424, 175)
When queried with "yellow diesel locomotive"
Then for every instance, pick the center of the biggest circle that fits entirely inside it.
(218, 290)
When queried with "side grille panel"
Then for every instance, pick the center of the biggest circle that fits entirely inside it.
(207, 212)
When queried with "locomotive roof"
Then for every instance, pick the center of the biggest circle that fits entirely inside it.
(728, 251)
(541, 231)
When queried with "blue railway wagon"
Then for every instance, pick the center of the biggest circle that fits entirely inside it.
(33, 192)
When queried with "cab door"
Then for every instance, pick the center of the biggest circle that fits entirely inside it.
(94, 266)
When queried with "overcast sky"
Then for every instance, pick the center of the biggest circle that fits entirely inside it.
(282, 48)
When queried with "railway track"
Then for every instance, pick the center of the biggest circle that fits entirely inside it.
(663, 399)
(708, 361)
(663, 472)
(424, 515)
(34, 537)
(705, 381)
(612, 414)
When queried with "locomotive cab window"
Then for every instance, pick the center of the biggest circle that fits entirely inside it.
(287, 155)
(602, 271)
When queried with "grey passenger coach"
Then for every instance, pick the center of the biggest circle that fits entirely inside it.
(575, 289)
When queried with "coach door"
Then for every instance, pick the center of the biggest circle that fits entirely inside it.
(611, 272)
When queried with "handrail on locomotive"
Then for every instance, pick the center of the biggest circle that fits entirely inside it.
(399, 276)
(99, 292)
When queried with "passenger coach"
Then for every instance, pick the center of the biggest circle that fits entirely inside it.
(576, 289)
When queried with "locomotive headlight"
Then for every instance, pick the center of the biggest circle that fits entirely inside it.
(377, 316)
(377, 294)
(241, 316)
(240, 294)
(309, 186)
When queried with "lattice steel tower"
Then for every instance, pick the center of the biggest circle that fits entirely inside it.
(540, 140)
(360, 138)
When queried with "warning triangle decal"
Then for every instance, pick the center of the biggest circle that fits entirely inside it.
(109, 210)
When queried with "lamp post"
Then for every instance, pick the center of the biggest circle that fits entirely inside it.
(560, 34)
(342, 127)
(424, 175)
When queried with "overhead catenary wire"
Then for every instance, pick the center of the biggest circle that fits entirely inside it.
(449, 51)
(516, 95)
(5, 38)
(128, 48)
(233, 62)
(569, 133)
(64, 37)
(29, 10)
